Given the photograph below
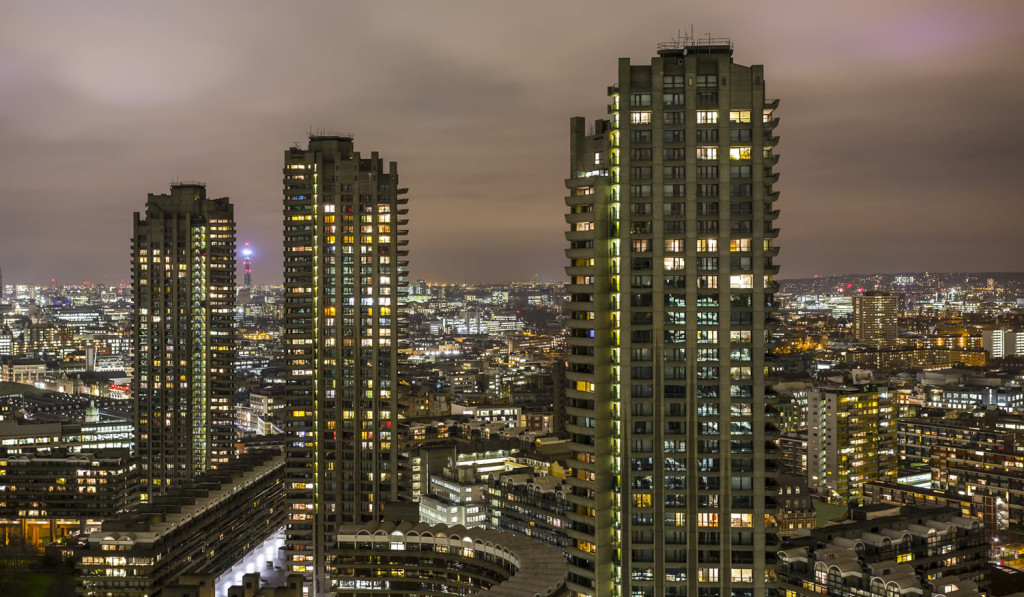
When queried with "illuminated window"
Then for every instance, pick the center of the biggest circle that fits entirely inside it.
(739, 153)
(707, 519)
(739, 244)
(707, 245)
(640, 117)
(674, 263)
(707, 153)
(707, 116)
(741, 116)
(741, 281)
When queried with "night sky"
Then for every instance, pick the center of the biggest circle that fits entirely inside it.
(902, 123)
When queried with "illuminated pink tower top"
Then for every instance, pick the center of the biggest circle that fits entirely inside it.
(247, 264)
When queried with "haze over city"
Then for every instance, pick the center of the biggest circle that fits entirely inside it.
(898, 143)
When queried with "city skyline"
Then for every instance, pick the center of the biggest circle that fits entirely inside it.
(884, 118)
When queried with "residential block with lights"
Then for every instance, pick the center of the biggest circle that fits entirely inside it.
(875, 317)
(851, 439)
(671, 247)
(183, 280)
(345, 268)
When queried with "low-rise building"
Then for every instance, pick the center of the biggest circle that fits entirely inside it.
(202, 527)
(795, 512)
(457, 496)
(420, 559)
(531, 504)
(47, 496)
(991, 511)
(985, 471)
(891, 551)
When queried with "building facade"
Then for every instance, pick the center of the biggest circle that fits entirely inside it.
(183, 281)
(892, 551)
(345, 288)
(47, 496)
(874, 318)
(1002, 343)
(532, 505)
(201, 527)
(671, 232)
(412, 560)
(851, 439)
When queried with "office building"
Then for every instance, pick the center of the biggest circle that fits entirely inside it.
(345, 290)
(457, 496)
(183, 281)
(671, 232)
(874, 318)
(1002, 343)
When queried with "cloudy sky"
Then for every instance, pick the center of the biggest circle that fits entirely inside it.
(902, 122)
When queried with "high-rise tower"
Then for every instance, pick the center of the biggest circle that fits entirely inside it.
(183, 280)
(875, 316)
(345, 270)
(247, 264)
(671, 230)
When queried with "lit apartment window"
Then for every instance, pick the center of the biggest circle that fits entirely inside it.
(708, 116)
(640, 117)
(739, 153)
(739, 116)
(707, 153)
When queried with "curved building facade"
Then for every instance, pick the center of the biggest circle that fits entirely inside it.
(404, 559)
